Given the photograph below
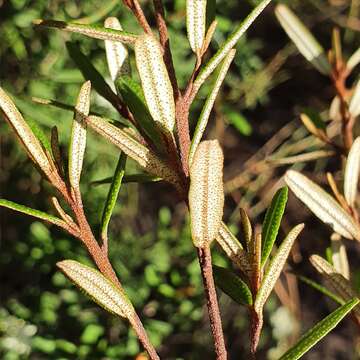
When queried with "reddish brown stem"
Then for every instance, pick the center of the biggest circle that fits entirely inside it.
(204, 255)
(139, 14)
(255, 330)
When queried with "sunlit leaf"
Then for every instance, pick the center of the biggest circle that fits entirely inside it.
(78, 135)
(323, 205)
(195, 23)
(232, 285)
(351, 176)
(93, 31)
(155, 81)
(275, 267)
(320, 330)
(271, 224)
(98, 288)
(205, 113)
(302, 38)
(206, 194)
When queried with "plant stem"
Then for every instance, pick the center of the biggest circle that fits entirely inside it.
(139, 14)
(204, 255)
(255, 331)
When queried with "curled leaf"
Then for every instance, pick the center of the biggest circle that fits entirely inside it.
(351, 176)
(116, 52)
(320, 330)
(323, 205)
(93, 31)
(25, 135)
(272, 222)
(206, 194)
(275, 267)
(78, 135)
(232, 285)
(131, 147)
(98, 288)
(302, 38)
(155, 81)
(195, 23)
(205, 113)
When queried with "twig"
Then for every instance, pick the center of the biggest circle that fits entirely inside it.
(204, 256)
(139, 14)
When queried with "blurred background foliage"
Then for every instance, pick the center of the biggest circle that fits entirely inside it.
(42, 316)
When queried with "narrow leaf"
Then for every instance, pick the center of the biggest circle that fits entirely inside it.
(25, 135)
(206, 193)
(93, 31)
(232, 285)
(112, 195)
(320, 330)
(130, 178)
(155, 81)
(354, 60)
(272, 222)
(302, 38)
(323, 205)
(351, 176)
(116, 52)
(78, 135)
(98, 288)
(339, 256)
(31, 212)
(90, 73)
(195, 23)
(233, 249)
(354, 106)
(246, 227)
(275, 267)
(145, 158)
(229, 44)
(40, 134)
(205, 113)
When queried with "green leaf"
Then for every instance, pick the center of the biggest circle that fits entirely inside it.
(209, 103)
(40, 134)
(134, 98)
(93, 31)
(238, 120)
(272, 222)
(210, 12)
(275, 267)
(98, 288)
(232, 285)
(112, 195)
(131, 178)
(320, 330)
(229, 44)
(321, 289)
(31, 212)
(90, 73)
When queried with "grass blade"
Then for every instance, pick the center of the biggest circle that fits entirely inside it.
(78, 135)
(229, 44)
(272, 222)
(351, 176)
(196, 23)
(206, 193)
(275, 267)
(323, 205)
(31, 212)
(93, 31)
(142, 155)
(98, 288)
(320, 330)
(155, 82)
(302, 38)
(112, 195)
(205, 113)
(232, 285)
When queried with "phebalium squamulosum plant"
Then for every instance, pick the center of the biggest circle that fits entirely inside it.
(153, 130)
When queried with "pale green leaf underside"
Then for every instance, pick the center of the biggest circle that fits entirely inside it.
(195, 23)
(320, 330)
(351, 175)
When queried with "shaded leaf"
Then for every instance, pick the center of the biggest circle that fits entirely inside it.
(351, 175)
(232, 285)
(323, 205)
(206, 193)
(93, 31)
(275, 267)
(205, 113)
(272, 221)
(320, 330)
(98, 288)
(196, 23)
(131, 178)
